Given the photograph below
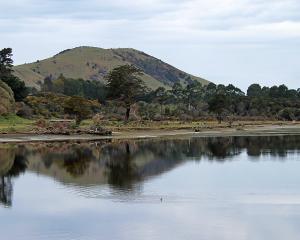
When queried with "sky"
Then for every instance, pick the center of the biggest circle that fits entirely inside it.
(225, 41)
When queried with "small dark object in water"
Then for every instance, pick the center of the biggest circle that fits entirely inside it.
(197, 129)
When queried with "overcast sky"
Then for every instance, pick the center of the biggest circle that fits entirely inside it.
(224, 41)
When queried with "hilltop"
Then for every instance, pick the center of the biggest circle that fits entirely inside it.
(91, 63)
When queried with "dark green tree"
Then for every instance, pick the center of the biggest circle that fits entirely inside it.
(192, 94)
(78, 107)
(283, 91)
(47, 86)
(6, 62)
(265, 91)
(161, 97)
(177, 92)
(219, 104)
(124, 84)
(234, 91)
(6, 75)
(254, 90)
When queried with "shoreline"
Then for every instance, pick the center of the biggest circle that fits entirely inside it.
(254, 130)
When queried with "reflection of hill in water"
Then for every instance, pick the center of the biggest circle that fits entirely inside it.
(122, 164)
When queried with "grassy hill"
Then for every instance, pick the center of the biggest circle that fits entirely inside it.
(92, 63)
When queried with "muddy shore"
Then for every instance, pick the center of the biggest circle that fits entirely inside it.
(262, 130)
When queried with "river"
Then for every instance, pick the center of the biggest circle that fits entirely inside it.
(236, 188)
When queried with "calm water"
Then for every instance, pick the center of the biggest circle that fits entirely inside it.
(199, 188)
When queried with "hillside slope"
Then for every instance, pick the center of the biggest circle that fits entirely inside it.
(92, 63)
(7, 102)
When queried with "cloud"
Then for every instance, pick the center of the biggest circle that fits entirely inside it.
(153, 25)
(188, 20)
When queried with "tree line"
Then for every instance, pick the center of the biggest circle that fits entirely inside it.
(193, 100)
(124, 88)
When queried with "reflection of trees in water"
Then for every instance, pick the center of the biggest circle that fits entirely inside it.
(123, 164)
(77, 162)
(74, 158)
(125, 168)
(274, 146)
(6, 190)
(121, 170)
(134, 161)
(18, 164)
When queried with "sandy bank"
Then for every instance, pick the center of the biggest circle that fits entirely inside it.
(247, 131)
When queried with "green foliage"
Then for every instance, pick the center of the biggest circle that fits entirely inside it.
(47, 105)
(254, 90)
(13, 123)
(6, 61)
(75, 87)
(6, 75)
(195, 100)
(289, 114)
(148, 111)
(124, 83)
(18, 87)
(218, 104)
(79, 107)
(186, 100)
(13, 119)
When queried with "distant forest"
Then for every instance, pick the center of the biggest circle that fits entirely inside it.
(193, 101)
(125, 95)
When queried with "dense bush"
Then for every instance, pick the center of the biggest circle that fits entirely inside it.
(75, 87)
(50, 105)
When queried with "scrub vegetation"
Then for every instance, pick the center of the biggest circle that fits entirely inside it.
(124, 98)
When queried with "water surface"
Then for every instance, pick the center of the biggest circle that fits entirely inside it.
(193, 188)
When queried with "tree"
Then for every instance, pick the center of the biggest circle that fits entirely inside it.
(234, 91)
(177, 92)
(17, 86)
(192, 94)
(161, 96)
(221, 88)
(6, 75)
(218, 104)
(79, 107)
(75, 87)
(254, 90)
(124, 84)
(265, 91)
(47, 86)
(287, 114)
(283, 91)
(274, 92)
(6, 62)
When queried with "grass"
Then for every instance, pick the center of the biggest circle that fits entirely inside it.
(12, 123)
(80, 63)
(177, 125)
(15, 124)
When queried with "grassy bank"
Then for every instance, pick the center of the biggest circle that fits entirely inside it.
(12, 123)
(15, 124)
